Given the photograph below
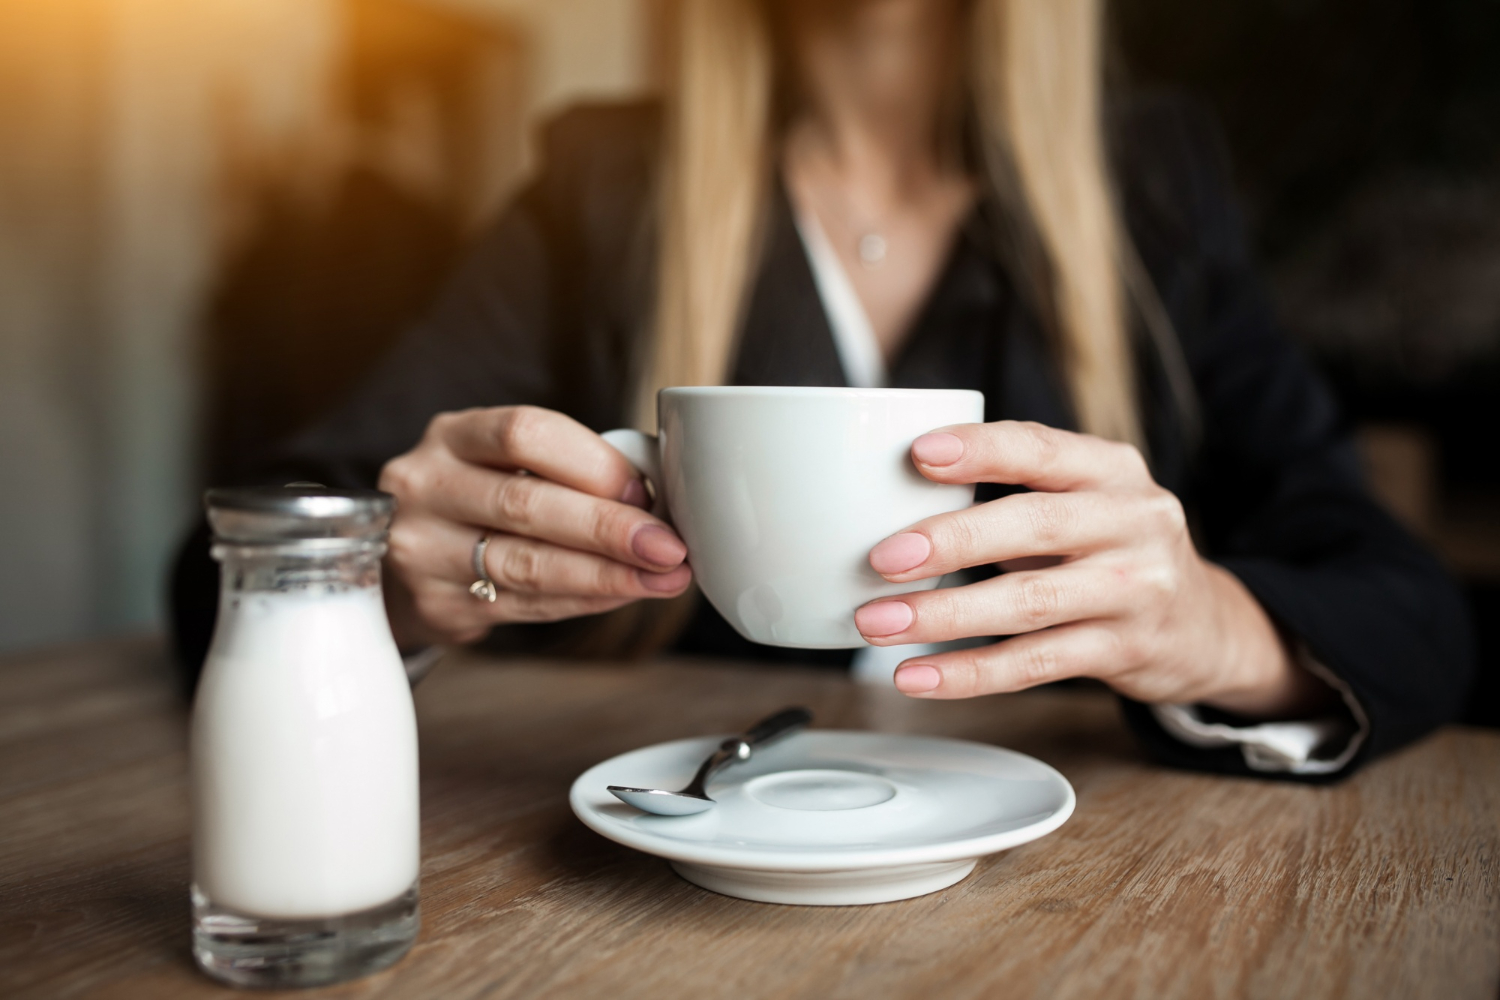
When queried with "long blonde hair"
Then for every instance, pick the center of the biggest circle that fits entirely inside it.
(1033, 93)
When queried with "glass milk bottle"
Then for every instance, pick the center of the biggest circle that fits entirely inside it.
(304, 747)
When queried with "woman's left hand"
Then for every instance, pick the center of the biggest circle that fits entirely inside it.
(1103, 580)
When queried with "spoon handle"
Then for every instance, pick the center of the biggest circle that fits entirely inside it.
(739, 748)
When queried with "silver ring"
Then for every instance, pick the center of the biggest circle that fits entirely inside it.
(483, 588)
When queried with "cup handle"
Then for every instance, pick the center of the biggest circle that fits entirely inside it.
(641, 451)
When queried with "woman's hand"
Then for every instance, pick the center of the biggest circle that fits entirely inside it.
(1103, 581)
(570, 536)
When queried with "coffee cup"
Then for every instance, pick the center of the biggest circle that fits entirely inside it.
(781, 492)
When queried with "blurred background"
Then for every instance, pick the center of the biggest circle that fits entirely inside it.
(216, 214)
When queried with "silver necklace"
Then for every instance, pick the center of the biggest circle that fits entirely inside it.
(870, 244)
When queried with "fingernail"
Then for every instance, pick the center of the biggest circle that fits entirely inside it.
(918, 678)
(635, 494)
(900, 553)
(937, 449)
(664, 583)
(884, 618)
(658, 545)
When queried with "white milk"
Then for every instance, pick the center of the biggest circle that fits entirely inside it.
(304, 758)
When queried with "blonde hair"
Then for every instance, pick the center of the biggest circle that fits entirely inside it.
(1034, 93)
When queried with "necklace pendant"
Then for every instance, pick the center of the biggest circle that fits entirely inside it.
(871, 249)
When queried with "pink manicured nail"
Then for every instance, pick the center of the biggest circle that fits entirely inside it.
(900, 553)
(937, 449)
(884, 618)
(658, 545)
(635, 494)
(664, 583)
(918, 678)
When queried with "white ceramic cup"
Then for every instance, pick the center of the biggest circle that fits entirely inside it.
(781, 492)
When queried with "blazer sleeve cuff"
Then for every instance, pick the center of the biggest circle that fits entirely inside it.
(1321, 746)
(418, 662)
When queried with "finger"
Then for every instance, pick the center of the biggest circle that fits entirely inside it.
(441, 548)
(544, 442)
(1028, 454)
(1021, 526)
(433, 547)
(450, 609)
(1086, 649)
(526, 566)
(552, 607)
(536, 508)
(1011, 604)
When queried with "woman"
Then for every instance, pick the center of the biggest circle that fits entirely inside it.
(925, 193)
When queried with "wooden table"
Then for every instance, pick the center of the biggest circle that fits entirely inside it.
(1161, 885)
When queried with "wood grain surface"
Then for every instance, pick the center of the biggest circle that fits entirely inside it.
(1163, 884)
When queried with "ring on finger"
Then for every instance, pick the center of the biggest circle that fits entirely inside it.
(483, 588)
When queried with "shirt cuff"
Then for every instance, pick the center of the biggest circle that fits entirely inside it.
(1313, 746)
(418, 663)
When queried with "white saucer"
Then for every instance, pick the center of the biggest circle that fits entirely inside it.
(831, 817)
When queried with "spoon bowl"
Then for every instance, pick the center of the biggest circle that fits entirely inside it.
(694, 798)
(662, 802)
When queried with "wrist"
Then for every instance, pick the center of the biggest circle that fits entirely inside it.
(1261, 676)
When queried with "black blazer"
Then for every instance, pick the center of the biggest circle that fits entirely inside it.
(550, 307)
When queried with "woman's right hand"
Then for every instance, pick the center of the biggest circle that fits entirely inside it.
(564, 509)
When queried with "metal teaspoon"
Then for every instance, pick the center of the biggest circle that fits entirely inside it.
(737, 749)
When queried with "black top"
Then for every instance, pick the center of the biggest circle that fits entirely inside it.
(549, 307)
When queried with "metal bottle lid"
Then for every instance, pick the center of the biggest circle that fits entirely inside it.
(250, 515)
